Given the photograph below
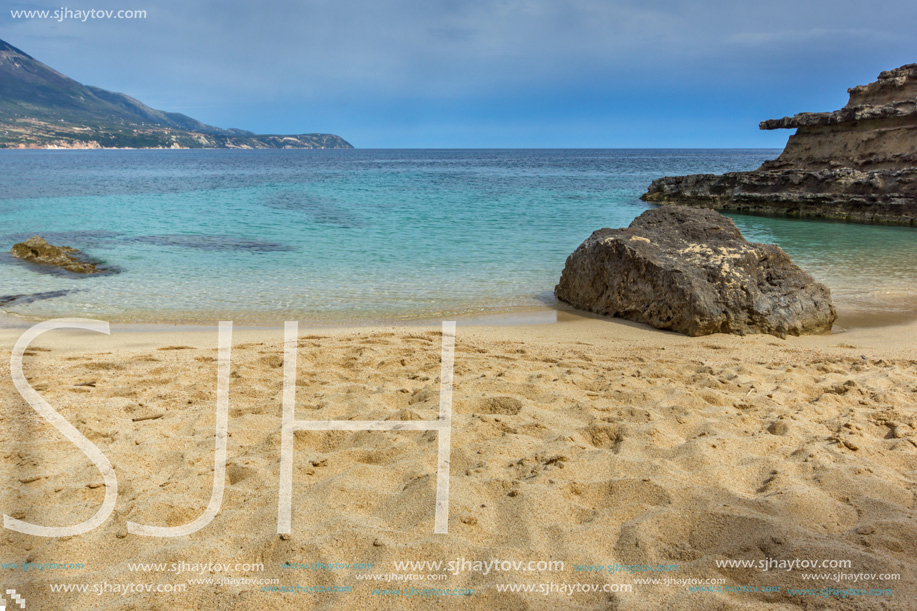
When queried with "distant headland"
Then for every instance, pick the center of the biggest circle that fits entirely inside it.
(42, 108)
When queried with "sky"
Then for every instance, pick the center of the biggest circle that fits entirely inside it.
(482, 73)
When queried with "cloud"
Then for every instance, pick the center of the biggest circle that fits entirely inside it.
(452, 60)
(810, 36)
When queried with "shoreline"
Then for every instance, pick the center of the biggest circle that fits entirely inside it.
(892, 339)
(849, 319)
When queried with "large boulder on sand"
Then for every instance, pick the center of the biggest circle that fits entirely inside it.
(690, 270)
(37, 250)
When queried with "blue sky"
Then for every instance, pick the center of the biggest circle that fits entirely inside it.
(483, 73)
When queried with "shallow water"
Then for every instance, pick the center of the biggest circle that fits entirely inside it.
(369, 236)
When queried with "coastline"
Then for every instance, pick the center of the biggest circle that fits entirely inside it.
(875, 331)
(851, 317)
(281, 250)
(278, 372)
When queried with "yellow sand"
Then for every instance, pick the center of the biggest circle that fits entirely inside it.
(586, 441)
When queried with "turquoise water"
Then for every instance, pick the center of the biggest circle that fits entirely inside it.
(359, 236)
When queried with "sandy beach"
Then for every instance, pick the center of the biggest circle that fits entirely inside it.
(454, 200)
(583, 443)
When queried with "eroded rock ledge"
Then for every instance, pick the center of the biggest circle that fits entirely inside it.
(858, 163)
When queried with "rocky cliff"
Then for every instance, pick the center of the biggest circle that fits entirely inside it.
(858, 163)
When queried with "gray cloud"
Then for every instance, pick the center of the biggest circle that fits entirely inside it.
(197, 55)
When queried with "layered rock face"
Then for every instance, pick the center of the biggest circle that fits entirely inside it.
(858, 163)
(690, 270)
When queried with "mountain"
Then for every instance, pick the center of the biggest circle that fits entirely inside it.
(42, 108)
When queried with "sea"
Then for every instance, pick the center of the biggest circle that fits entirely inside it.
(344, 237)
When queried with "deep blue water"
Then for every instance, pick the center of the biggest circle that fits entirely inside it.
(363, 235)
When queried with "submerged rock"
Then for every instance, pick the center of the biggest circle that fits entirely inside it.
(37, 250)
(17, 300)
(858, 163)
(690, 270)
